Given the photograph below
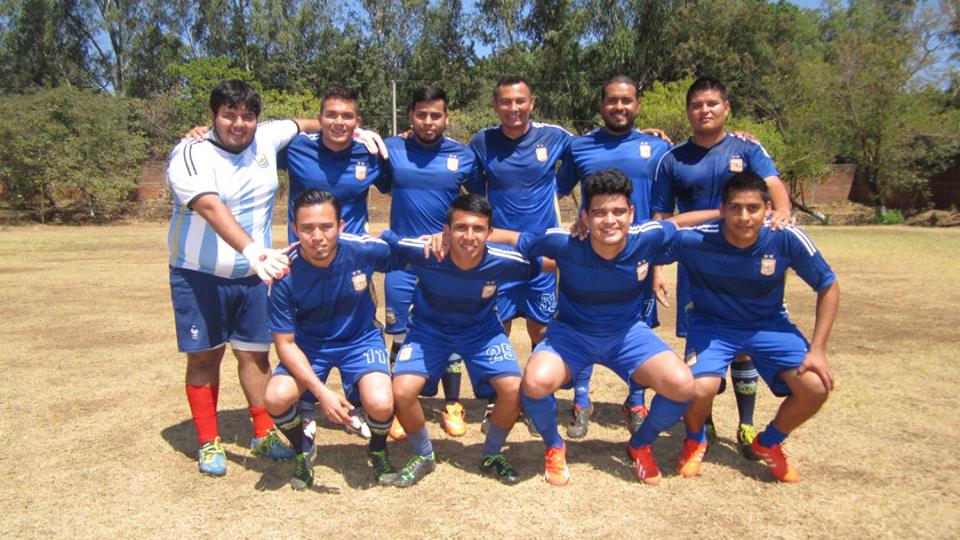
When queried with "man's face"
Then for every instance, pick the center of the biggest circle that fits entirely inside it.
(234, 127)
(513, 105)
(338, 119)
(468, 232)
(317, 228)
(619, 107)
(707, 111)
(743, 217)
(428, 120)
(609, 218)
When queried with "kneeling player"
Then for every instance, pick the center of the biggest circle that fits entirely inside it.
(599, 321)
(737, 268)
(322, 317)
(453, 310)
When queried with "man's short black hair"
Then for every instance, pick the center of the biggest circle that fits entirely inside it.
(339, 92)
(744, 181)
(606, 182)
(235, 94)
(311, 197)
(706, 83)
(617, 79)
(473, 203)
(510, 81)
(428, 93)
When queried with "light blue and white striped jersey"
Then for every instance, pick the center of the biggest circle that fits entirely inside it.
(246, 182)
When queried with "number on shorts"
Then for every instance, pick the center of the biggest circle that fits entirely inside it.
(375, 356)
(499, 353)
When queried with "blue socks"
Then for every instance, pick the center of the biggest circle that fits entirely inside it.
(635, 397)
(663, 414)
(699, 436)
(420, 442)
(581, 388)
(771, 436)
(495, 438)
(543, 413)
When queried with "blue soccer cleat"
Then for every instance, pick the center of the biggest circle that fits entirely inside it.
(212, 459)
(271, 446)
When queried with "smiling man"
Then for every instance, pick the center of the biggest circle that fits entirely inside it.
(737, 270)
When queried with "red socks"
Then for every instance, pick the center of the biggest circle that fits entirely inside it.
(262, 423)
(203, 407)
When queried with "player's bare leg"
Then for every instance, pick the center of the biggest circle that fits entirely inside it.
(376, 396)
(544, 374)
(695, 443)
(253, 369)
(406, 396)
(506, 410)
(203, 389)
(281, 398)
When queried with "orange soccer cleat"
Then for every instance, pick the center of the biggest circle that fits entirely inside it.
(556, 473)
(776, 459)
(647, 470)
(453, 419)
(691, 457)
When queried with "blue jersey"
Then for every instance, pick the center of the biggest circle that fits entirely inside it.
(454, 301)
(330, 306)
(743, 287)
(348, 174)
(694, 176)
(424, 180)
(598, 296)
(635, 154)
(520, 175)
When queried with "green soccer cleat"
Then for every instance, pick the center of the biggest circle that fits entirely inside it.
(302, 472)
(212, 460)
(746, 433)
(498, 467)
(383, 471)
(271, 446)
(416, 468)
(711, 431)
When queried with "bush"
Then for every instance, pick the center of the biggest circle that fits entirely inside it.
(71, 154)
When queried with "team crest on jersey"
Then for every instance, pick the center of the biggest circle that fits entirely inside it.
(642, 270)
(645, 152)
(359, 280)
(453, 163)
(489, 290)
(736, 164)
(542, 154)
(360, 171)
(768, 265)
(391, 316)
(262, 161)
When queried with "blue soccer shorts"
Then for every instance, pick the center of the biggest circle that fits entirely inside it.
(209, 311)
(623, 353)
(368, 354)
(487, 356)
(399, 286)
(535, 299)
(775, 348)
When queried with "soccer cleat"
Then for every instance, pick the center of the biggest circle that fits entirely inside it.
(711, 431)
(383, 471)
(498, 467)
(634, 415)
(396, 430)
(416, 468)
(530, 427)
(746, 433)
(776, 459)
(302, 472)
(577, 428)
(454, 419)
(556, 472)
(271, 446)
(647, 470)
(486, 418)
(691, 457)
(212, 459)
(358, 423)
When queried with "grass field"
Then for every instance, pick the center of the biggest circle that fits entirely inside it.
(98, 442)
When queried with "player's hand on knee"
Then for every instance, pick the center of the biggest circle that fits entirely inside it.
(816, 361)
(198, 133)
(372, 141)
(659, 133)
(336, 408)
(269, 264)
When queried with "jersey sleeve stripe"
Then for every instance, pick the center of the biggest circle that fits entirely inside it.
(188, 160)
(804, 239)
(557, 230)
(412, 242)
(507, 254)
(365, 238)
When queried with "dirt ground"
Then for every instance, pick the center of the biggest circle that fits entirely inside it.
(98, 441)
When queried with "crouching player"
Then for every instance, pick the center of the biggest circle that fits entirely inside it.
(599, 321)
(322, 317)
(453, 311)
(737, 268)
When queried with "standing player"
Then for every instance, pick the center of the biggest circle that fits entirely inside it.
(223, 192)
(599, 321)
(322, 317)
(691, 177)
(453, 310)
(738, 269)
(426, 172)
(636, 154)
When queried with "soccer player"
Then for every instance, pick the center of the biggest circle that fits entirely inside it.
(221, 261)
(737, 269)
(635, 153)
(691, 177)
(427, 170)
(322, 317)
(599, 321)
(453, 310)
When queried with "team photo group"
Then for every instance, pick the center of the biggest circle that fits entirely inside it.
(474, 243)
